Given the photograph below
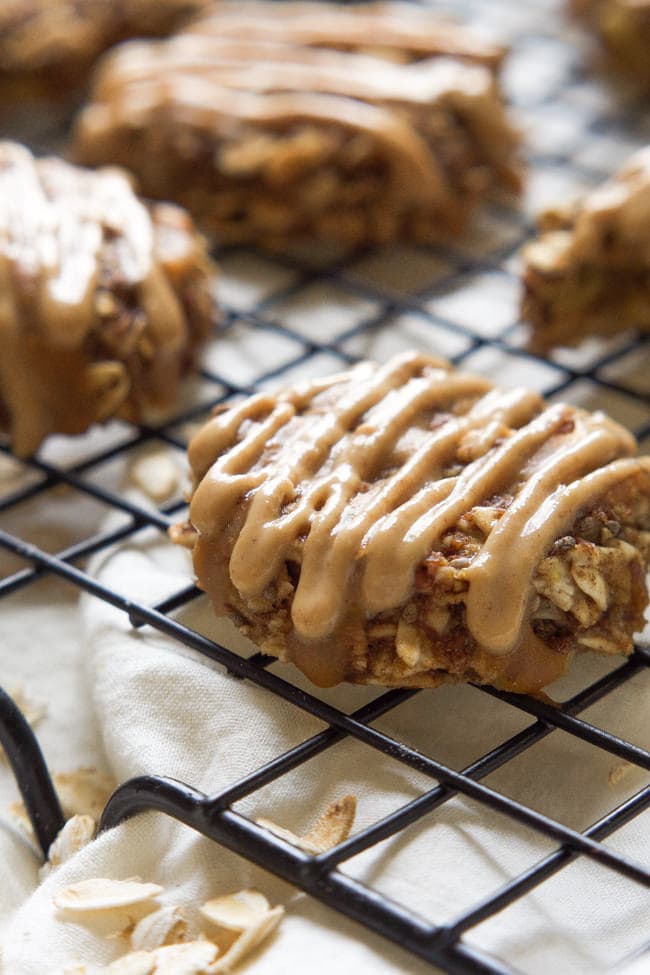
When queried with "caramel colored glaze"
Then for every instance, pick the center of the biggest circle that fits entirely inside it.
(93, 289)
(262, 66)
(221, 76)
(357, 478)
(360, 97)
(389, 29)
(270, 140)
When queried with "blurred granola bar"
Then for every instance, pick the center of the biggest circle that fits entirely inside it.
(588, 271)
(272, 141)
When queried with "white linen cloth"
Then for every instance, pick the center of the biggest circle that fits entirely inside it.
(163, 709)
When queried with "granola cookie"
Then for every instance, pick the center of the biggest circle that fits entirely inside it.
(406, 524)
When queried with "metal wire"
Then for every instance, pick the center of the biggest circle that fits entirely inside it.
(213, 815)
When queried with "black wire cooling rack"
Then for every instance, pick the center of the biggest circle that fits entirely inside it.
(576, 129)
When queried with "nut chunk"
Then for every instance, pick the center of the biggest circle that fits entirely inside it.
(269, 137)
(406, 524)
(589, 270)
(623, 27)
(102, 299)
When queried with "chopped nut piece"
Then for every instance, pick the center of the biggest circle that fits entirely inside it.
(437, 617)
(485, 518)
(409, 643)
(184, 535)
(600, 643)
(554, 580)
(586, 573)
(381, 631)
(103, 894)
(236, 912)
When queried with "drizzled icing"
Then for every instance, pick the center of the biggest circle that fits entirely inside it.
(54, 220)
(358, 477)
(386, 27)
(216, 80)
(262, 66)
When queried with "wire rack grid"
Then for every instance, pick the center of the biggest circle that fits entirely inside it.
(309, 313)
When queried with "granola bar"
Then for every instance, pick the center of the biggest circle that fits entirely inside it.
(406, 524)
(48, 46)
(623, 28)
(589, 269)
(272, 143)
(103, 299)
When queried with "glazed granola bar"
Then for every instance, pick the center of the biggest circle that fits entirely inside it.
(589, 270)
(47, 46)
(102, 299)
(623, 27)
(273, 143)
(406, 524)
